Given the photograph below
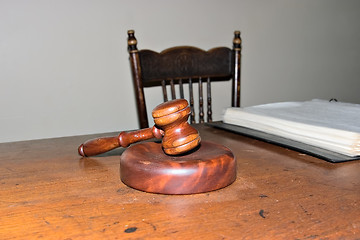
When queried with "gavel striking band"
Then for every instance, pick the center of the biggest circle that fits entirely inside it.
(170, 123)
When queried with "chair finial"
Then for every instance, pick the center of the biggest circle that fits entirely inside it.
(237, 41)
(132, 42)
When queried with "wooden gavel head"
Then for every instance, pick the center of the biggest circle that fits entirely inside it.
(179, 136)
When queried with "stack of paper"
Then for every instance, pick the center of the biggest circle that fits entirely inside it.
(334, 126)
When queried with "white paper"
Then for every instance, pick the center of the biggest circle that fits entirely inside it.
(330, 125)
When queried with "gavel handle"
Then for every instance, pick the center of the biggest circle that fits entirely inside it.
(124, 139)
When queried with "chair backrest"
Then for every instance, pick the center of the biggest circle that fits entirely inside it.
(184, 65)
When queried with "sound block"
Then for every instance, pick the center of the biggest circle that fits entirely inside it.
(146, 167)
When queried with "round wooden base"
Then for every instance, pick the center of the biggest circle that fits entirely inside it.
(146, 167)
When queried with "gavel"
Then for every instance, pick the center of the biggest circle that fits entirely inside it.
(170, 118)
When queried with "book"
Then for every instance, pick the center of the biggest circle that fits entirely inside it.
(334, 126)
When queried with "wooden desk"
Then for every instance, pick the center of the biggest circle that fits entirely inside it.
(49, 192)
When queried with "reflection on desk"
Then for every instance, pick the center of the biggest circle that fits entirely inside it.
(48, 191)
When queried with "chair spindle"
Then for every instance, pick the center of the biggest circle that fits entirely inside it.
(201, 102)
(192, 116)
(163, 85)
(209, 110)
(173, 94)
(181, 87)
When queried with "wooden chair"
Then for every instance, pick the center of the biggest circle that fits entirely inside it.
(184, 65)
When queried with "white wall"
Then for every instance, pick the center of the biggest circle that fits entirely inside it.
(64, 66)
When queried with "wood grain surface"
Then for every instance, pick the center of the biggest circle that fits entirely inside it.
(49, 192)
